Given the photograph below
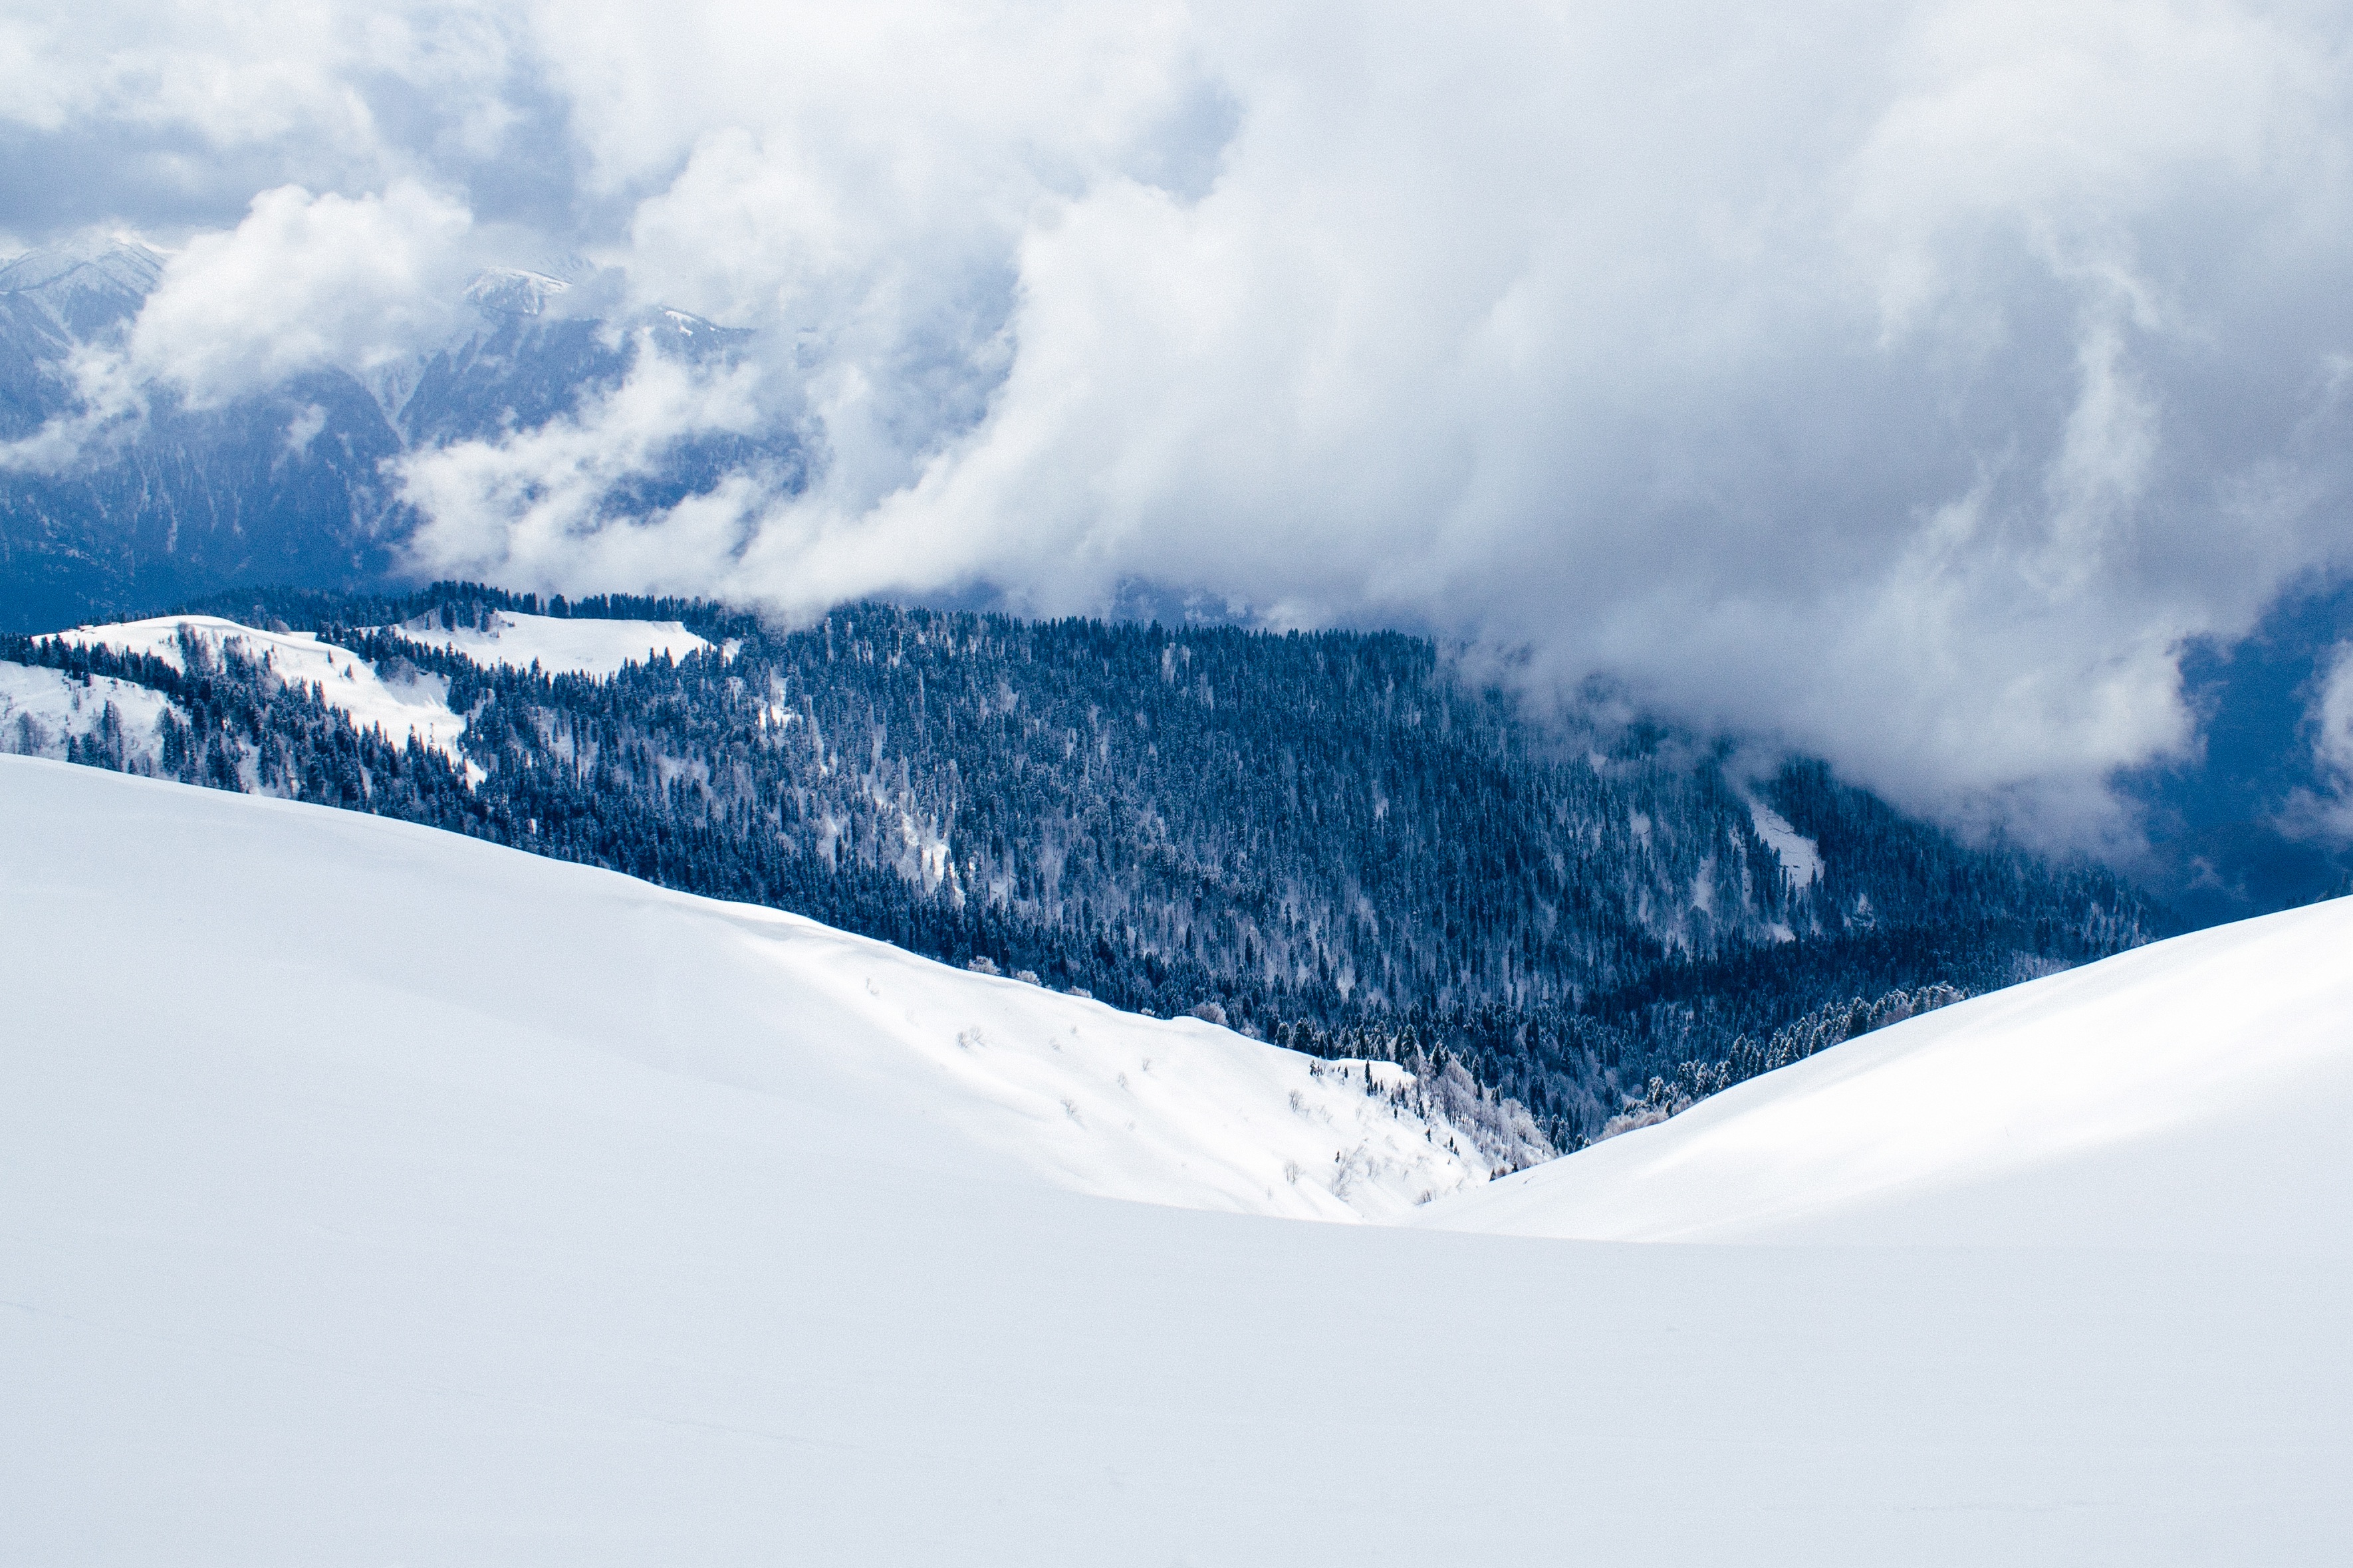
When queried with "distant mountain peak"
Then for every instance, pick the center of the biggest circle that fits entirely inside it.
(89, 282)
(687, 324)
(516, 291)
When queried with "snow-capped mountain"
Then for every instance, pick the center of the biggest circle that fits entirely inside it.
(285, 484)
(77, 291)
(517, 291)
(375, 1194)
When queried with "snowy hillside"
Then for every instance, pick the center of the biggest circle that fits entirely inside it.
(40, 710)
(2191, 1093)
(405, 702)
(1800, 857)
(373, 1195)
(412, 704)
(1175, 1111)
(557, 645)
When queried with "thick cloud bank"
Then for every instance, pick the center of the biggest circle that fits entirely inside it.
(1903, 383)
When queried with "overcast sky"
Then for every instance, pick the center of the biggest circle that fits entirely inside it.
(1900, 382)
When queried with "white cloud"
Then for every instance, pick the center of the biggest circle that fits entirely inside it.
(296, 77)
(2327, 812)
(533, 506)
(305, 282)
(1904, 383)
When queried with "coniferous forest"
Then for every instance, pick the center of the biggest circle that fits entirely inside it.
(1334, 841)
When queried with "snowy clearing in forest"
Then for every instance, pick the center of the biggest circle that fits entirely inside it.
(558, 644)
(1800, 857)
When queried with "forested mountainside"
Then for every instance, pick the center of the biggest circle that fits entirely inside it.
(290, 485)
(1329, 841)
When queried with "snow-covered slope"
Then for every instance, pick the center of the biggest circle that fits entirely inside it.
(372, 1195)
(413, 701)
(416, 703)
(1024, 1079)
(1800, 857)
(40, 708)
(2192, 1093)
(558, 644)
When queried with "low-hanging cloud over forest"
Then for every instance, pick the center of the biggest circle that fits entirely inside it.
(1905, 383)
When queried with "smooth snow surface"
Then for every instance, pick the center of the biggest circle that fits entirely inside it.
(415, 704)
(39, 707)
(372, 1195)
(559, 646)
(2194, 1093)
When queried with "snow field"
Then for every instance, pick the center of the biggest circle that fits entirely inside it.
(372, 1195)
(557, 644)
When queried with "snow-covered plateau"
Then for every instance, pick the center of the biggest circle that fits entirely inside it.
(369, 1194)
